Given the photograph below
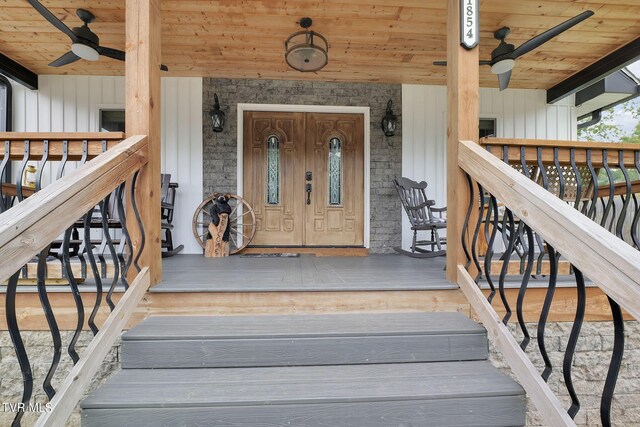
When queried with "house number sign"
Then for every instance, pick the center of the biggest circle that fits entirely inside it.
(469, 23)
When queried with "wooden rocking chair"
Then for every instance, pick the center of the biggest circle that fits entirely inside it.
(422, 216)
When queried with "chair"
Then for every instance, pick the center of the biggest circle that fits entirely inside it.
(167, 202)
(422, 216)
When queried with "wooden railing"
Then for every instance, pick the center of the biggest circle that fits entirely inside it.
(28, 229)
(516, 204)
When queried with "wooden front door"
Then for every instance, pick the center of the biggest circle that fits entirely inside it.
(304, 177)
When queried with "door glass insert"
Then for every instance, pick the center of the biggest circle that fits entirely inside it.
(335, 171)
(273, 170)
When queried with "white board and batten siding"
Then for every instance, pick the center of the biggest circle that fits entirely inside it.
(519, 113)
(72, 104)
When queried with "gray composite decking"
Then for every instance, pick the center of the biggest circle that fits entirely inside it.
(200, 341)
(366, 370)
(195, 273)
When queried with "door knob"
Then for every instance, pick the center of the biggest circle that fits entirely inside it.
(309, 193)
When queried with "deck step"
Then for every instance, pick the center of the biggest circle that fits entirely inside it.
(417, 394)
(335, 339)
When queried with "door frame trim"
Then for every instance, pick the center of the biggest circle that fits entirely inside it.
(365, 111)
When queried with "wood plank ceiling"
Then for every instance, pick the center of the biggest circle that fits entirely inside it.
(391, 41)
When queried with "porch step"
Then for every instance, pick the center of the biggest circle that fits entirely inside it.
(383, 395)
(340, 339)
(369, 370)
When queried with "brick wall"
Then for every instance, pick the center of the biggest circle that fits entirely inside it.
(220, 149)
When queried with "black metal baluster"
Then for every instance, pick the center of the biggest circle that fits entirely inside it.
(545, 185)
(505, 263)
(43, 162)
(476, 233)
(609, 205)
(626, 197)
(134, 206)
(23, 166)
(560, 172)
(112, 252)
(594, 183)
(128, 258)
(573, 341)
(18, 345)
(94, 269)
(523, 287)
(66, 243)
(5, 203)
(546, 308)
(465, 224)
(492, 209)
(64, 159)
(636, 217)
(614, 365)
(51, 321)
(576, 171)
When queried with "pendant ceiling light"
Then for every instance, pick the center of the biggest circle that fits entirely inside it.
(306, 50)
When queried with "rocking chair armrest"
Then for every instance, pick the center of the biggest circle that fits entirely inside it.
(444, 209)
(421, 206)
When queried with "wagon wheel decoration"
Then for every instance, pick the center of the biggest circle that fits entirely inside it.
(242, 222)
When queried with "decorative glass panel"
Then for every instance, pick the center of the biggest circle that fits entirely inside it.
(335, 171)
(273, 170)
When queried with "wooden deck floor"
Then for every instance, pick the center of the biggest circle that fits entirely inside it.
(195, 273)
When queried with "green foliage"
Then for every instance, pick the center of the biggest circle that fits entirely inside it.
(609, 129)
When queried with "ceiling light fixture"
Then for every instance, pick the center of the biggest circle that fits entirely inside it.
(306, 50)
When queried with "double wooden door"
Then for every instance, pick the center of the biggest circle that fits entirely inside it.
(304, 178)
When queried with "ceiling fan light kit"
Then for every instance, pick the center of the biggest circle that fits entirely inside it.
(503, 57)
(306, 50)
(85, 52)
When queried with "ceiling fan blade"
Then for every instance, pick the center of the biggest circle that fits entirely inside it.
(65, 59)
(46, 14)
(540, 39)
(503, 79)
(444, 63)
(111, 53)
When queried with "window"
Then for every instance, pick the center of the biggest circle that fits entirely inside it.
(273, 170)
(335, 171)
(487, 127)
(5, 104)
(111, 120)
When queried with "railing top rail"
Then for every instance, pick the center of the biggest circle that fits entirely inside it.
(29, 226)
(608, 261)
(559, 144)
(60, 136)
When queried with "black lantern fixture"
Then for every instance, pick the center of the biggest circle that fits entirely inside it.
(217, 115)
(306, 50)
(389, 121)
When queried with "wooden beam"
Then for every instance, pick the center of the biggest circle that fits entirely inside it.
(463, 85)
(528, 376)
(18, 72)
(600, 69)
(142, 94)
(73, 387)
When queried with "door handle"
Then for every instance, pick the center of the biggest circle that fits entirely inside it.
(308, 193)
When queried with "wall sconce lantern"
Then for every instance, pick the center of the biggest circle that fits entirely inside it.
(389, 121)
(217, 115)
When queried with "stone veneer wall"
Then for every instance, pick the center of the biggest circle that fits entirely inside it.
(590, 365)
(220, 149)
(40, 350)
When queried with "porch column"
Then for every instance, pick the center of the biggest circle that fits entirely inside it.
(463, 83)
(142, 92)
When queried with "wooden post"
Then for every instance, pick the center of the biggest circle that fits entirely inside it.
(142, 93)
(463, 83)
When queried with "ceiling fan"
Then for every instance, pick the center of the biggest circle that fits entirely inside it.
(503, 57)
(85, 44)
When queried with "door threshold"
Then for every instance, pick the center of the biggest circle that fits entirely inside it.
(319, 251)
